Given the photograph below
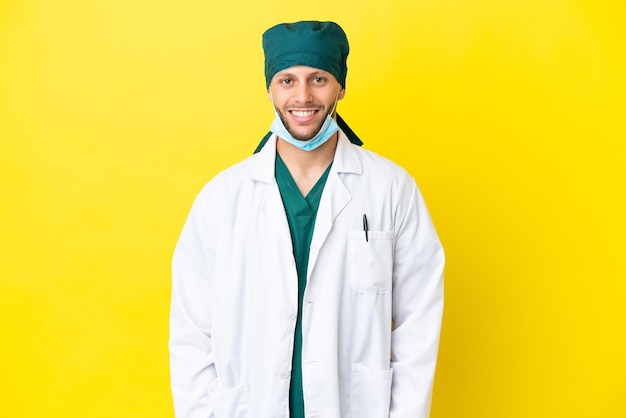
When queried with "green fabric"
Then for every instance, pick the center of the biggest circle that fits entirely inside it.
(301, 213)
(322, 45)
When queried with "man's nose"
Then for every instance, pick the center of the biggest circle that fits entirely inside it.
(303, 93)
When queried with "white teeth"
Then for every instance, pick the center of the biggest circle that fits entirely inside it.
(302, 113)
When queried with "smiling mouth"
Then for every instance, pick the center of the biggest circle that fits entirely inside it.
(303, 113)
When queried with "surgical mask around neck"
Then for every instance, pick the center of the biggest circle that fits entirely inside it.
(329, 127)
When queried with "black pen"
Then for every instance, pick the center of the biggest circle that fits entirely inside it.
(365, 227)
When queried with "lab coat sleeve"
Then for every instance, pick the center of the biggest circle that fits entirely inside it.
(191, 358)
(417, 308)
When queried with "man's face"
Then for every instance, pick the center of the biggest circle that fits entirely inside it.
(303, 96)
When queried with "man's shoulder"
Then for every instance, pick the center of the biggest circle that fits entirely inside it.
(374, 164)
(230, 177)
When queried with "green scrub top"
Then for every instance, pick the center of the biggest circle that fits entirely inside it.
(301, 212)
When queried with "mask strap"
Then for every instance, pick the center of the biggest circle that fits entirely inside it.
(335, 105)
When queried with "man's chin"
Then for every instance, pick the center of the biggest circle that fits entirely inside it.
(303, 132)
(304, 136)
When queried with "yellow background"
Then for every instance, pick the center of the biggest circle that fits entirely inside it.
(510, 114)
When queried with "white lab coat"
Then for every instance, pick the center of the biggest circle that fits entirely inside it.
(235, 296)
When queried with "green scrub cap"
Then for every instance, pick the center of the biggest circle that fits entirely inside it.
(322, 45)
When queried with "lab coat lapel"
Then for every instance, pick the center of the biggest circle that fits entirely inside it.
(273, 209)
(335, 196)
(274, 212)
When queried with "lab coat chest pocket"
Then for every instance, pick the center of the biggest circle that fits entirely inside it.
(370, 261)
(229, 403)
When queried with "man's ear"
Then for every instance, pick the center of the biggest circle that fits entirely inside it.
(342, 93)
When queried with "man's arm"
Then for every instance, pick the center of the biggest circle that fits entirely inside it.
(417, 310)
(191, 361)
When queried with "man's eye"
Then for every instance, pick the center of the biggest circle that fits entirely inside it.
(286, 81)
(318, 80)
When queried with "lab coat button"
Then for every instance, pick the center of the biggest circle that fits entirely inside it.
(284, 374)
(292, 316)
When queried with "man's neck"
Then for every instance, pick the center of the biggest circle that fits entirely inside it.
(306, 167)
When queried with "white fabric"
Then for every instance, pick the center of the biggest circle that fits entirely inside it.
(235, 295)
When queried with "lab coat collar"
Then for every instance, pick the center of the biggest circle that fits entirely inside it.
(346, 156)
(346, 159)
(264, 167)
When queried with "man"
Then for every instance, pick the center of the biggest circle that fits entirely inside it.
(307, 280)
